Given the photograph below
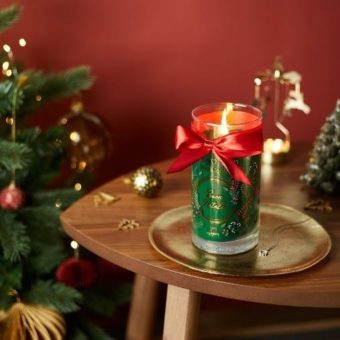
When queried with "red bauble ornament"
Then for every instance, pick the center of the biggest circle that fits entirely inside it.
(76, 273)
(12, 198)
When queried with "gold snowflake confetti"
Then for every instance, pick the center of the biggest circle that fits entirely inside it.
(127, 224)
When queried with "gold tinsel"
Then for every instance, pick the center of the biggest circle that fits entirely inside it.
(31, 322)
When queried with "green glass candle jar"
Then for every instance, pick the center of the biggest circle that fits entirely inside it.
(225, 212)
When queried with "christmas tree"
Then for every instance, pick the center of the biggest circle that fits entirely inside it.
(46, 289)
(323, 168)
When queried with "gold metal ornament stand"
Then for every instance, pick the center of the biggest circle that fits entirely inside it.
(276, 81)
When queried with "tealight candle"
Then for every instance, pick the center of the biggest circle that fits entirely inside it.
(275, 151)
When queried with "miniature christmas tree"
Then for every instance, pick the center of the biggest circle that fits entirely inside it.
(47, 290)
(323, 168)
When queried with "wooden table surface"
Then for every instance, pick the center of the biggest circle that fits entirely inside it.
(96, 228)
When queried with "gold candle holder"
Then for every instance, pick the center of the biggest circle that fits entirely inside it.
(275, 81)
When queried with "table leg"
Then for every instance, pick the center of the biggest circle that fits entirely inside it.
(181, 314)
(142, 310)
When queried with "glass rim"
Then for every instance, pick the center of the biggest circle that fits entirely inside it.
(244, 107)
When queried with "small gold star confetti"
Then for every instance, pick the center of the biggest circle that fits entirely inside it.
(126, 224)
(103, 198)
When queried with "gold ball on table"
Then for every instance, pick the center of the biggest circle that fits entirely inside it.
(146, 182)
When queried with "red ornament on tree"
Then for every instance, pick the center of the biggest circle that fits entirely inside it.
(76, 273)
(12, 198)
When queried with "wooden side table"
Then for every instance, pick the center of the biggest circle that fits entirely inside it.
(96, 228)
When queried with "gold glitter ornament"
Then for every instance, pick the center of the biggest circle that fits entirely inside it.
(146, 182)
(28, 321)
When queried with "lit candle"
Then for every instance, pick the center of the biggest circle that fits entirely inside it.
(275, 150)
(225, 211)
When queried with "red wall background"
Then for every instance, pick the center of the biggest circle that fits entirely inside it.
(156, 60)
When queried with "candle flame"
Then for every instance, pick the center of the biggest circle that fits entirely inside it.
(224, 121)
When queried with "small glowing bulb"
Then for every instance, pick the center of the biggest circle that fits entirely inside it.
(75, 137)
(6, 48)
(74, 245)
(5, 65)
(58, 203)
(22, 42)
(77, 187)
(257, 81)
(277, 74)
(82, 165)
(8, 73)
(38, 98)
(9, 120)
(277, 145)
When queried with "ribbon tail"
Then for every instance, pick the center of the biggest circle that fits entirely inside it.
(234, 170)
(187, 158)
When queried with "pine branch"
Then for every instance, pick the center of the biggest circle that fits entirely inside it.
(41, 217)
(8, 16)
(10, 275)
(48, 153)
(14, 155)
(64, 299)
(46, 257)
(104, 302)
(28, 136)
(5, 300)
(64, 196)
(78, 335)
(94, 332)
(13, 237)
(55, 86)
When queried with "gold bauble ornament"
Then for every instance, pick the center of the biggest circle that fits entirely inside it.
(89, 141)
(32, 322)
(146, 182)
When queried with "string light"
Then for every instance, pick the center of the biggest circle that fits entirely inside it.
(58, 203)
(22, 42)
(38, 98)
(9, 120)
(6, 48)
(5, 65)
(257, 81)
(77, 187)
(75, 137)
(74, 245)
(8, 73)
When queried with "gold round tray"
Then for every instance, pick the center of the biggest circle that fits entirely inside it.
(289, 242)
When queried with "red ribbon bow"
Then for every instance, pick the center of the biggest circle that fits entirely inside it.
(234, 145)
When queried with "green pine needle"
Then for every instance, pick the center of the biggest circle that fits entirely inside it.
(10, 275)
(104, 302)
(14, 155)
(78, 335)
(63, 197)
(55, 86)
(8, 16)
(94, 332)
(41, 217)
(46, 257)
(13, 237)
(63, 298)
